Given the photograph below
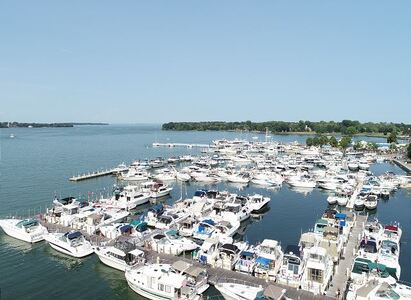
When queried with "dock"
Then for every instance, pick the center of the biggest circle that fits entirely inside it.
(92, 175)
(172, 145)
(216, 275)
(403, 165)
(341, 275)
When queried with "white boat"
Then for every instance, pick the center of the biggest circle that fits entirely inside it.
(239, 291)
(28, 230)
(129, 198)
(292, 268)
(318, 271)
(371, 202)
(71, 243)
(269, 260)
(301, 182)
(156, 189)
(239, 178)
(165, 175)
(160, 282)
(118, 259)
(342, 201)
(257, 203)
(12, 136)
(359, 203)
(353, 166)
(183, 176)
(171, 243)
(332, 199)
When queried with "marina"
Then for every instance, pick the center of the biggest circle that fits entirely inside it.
(233, 191)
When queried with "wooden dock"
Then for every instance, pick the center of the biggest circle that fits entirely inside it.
(341, 275)
(92, 175)
(220, 275)
(403, 165)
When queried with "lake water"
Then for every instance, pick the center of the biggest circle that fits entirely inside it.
(36, 165)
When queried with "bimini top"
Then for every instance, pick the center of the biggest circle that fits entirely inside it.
(340, 216)
(247, 254)
(125, 228)
(157, 208)
(200, 193)
(73, 235)
(269, 243)
(391, 228)
(208, 221)
(229, 248)
(27, 223)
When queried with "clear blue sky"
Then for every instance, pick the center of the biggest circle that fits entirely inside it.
(155, 61)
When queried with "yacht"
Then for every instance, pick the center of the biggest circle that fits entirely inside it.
(292, 268)
(270, 257)
(246, 261)
(197, 278)
(371, 202)
(160, 282)
(129, 198)
(28, 230)
(228, 256)
(318, 271)
(156, 189)
(171, 243)
(208, 252)
(71, 243)
(256, 203)
(117, 258)
(239, 291)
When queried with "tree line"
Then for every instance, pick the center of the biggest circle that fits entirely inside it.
(345, 127)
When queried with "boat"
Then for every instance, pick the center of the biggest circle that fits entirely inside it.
(257, 203)
(371, 202)
(232, 290)
(292, 268)
(183, 176)
(228, 256)
(171, 243)
(359, 203)
(71, 243)
(197, 277)
(156, 189)
(318, 270)
(332, 200)
(160, 282)
(28, 230)
(117, 258)
(269, 259)
(12, 135)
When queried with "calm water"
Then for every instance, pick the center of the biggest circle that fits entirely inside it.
(36, 165)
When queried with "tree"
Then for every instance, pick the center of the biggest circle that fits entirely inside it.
(392, 138)
(372, 146)
(309, 141)
(333, 142)
(409, 150)
(358, 145)
(345, 142)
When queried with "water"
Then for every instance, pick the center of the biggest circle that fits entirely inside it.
(36, 165)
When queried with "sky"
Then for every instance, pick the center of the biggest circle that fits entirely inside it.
(158, 61)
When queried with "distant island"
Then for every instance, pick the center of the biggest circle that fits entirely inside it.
(41, 125)
(345, 127)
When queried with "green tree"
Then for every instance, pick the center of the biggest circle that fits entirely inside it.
(333, 141)
(358, 145)
(392, 138)
(393, 146)
(409, 150)
(345, 143)
(372, 146)
(309, 141)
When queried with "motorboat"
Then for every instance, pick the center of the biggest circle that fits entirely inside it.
(160, 281)
(371, 202)
(28, 230)
(197, 277)
(269, 259)
(239, 291)
(171, 243)
(359, 203)
(156, 189)
(71, 243)
(257, 203)
(292, 268)
(318, 270)
(117, 258)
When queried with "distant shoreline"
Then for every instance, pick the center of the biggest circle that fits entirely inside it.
(45, 125)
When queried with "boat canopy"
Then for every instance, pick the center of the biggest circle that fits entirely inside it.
(158, 236)
(136, 252)
(125, 228)
(263, 261)
(172, 232)
(391, 228)
(158, 208)
(181, 266)
(200, 193)
(73, 235)
(340, 216)
(27, 223)
(229, 248)
(208, 221)
(247, 254)
(195, 271)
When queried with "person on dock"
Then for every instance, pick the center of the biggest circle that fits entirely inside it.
(337, 294)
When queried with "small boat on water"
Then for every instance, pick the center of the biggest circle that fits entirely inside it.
(371, 202)
(12, 135)
(119, 259)
(71, 243)
(28, 230)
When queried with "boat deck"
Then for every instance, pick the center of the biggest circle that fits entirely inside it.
(340, 278)
(217, 274)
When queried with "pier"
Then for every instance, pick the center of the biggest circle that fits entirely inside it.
(92, 175)
(403, 165)
(341, 274)
(220, 275)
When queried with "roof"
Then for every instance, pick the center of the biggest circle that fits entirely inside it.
(274, 292)
(247, 254)
(137, 252)
(73, 235)
(229, 247)
(194, 271)
(269, 243)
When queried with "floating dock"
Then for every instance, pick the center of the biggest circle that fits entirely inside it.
(344, 266)
(403, 165)
(92, 175)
